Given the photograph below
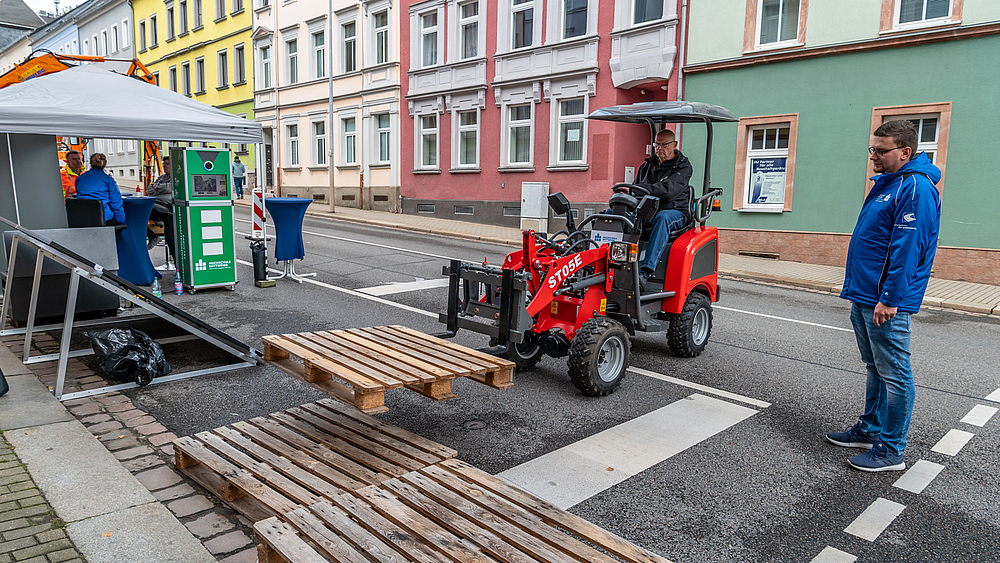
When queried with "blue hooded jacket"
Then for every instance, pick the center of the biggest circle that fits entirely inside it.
(893, 245)
(97, 184)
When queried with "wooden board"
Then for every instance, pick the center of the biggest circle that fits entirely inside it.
(447, 512)
(357, 366)
(304, 455)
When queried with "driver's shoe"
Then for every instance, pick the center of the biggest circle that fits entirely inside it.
(643, 279)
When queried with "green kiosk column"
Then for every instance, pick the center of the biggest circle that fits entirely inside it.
(203, 218)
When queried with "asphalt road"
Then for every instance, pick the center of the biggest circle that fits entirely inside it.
(767, 487)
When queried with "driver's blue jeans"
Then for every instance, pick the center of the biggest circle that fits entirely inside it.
(890, 391)
(664, 222)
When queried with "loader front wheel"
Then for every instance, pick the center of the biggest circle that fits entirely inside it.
(524, 355)
(598, 356)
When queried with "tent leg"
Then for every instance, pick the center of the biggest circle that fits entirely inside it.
(67, 333)
(5, 308)
(33, 305)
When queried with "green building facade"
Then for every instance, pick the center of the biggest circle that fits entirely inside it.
(811, 83)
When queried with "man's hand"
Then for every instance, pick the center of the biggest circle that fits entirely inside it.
(883, 313)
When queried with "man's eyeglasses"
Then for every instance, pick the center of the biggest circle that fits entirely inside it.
(881, 152)
(664, 145)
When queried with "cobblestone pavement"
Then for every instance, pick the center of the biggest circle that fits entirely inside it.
(29, 529)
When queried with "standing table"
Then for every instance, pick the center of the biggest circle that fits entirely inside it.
(287, 214)
(134, 264)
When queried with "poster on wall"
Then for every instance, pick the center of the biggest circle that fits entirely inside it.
(767, 180)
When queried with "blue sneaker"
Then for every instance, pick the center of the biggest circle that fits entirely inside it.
(852, 437)
(876, 459)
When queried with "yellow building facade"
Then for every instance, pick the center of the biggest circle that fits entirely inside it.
(201, 49)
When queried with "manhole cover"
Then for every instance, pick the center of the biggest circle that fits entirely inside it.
(475, 425)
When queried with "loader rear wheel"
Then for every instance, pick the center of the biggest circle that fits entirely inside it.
(598, 356)
(689, 331)
(524, 355)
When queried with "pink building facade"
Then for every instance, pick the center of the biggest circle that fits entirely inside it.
(496, 96)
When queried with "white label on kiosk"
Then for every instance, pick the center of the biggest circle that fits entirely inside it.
(606, 237)
(211, 248)
(209, 233)
(211, 216)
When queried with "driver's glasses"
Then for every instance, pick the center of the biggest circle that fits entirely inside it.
(880, 152)
(663, 145)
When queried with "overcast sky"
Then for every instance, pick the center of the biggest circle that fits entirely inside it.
(49, 5)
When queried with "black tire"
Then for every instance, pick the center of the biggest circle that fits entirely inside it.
(689, 331)
(598, 356)
(524, 355)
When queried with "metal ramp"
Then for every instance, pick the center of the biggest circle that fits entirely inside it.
(82, 268)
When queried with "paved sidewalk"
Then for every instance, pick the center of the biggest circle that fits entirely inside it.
(965, 296)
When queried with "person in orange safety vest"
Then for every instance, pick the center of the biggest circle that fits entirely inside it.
(69, 173)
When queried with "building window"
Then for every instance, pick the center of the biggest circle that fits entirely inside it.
(933, 123)
(524, 15)
(156, 78)
(349, 127)
(319, 143)
(173, 78)
(572, 130)
(239, 65)
(921, 11)
(197, 14)
(428, 145)
(220, 9)
(292, 59)
(319, 54)
(292, 133)
(429, 39)
(237, 6)
(126, 32)
(382, 127)
(186, 78)
(105, 45)
(223, 68)
(469, 24)
(646, 10)
(115, 39)
(153, 38)
(519, 124)
(777, 22)
(142, 35)
(182, 8)
(265, 66)
(765, 163)
(350, 44)
(199, 75)
(381, 28)
(170, 23)
(468, 139)
(574, 18)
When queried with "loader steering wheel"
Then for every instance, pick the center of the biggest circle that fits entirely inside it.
(619, 188)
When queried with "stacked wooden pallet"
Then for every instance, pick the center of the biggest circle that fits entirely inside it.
(446, 512)
(304, 455)
(358, 365)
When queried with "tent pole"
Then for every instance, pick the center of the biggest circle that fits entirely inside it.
(13, 183)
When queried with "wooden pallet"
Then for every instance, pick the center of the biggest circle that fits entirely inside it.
(304, 455)
(441, 513)
(358, 365)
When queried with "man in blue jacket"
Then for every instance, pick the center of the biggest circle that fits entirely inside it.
(888, 266)
(96, 184)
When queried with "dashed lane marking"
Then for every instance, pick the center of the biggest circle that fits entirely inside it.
(783, 319)
(875, 519)
(980, 415)
(833, 555)
(994, 396)
(953, 442)
(402, 287)
(574, 473)
(702, 388)
(919, 476)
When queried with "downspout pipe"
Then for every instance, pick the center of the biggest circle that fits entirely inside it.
(683, 62)
(329, 111)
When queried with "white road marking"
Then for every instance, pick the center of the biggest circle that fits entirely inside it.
(354, 293)
(391, 288)
(875, 519)
(702, 388)
(994, 396)
(953, 442)
(580, 470)
(980, 415)
(833, 555)
(783, 319)
(918, 476)
(375, 244)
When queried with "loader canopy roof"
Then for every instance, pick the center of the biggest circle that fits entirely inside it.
(664, 112)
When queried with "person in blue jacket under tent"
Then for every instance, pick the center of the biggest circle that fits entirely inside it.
(97, 184)
(888, 266)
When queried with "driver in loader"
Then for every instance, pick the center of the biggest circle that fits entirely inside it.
(666, 175)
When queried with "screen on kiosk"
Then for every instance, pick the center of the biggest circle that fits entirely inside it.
(209, 185)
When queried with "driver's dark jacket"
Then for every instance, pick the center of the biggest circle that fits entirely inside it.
(668, 181)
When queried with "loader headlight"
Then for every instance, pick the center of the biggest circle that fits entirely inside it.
(622, 252)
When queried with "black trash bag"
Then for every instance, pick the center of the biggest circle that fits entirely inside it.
(129, 355)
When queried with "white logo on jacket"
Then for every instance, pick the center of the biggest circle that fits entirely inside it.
(909, 217)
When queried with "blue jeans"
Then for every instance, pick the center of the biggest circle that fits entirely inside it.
(890, 391)
(664, 222)
(238, 184)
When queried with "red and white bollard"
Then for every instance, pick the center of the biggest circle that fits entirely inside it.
(257, 230)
